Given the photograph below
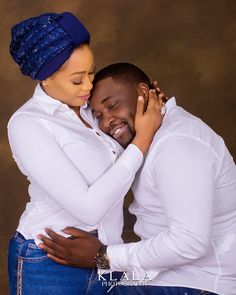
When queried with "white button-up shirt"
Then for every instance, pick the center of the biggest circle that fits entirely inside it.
(185, 203)
(74, 174)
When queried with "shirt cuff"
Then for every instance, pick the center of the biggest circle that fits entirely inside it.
(131, 158)
(118, 257)
(124, 258)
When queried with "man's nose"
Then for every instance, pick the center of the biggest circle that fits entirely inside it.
(107, 121)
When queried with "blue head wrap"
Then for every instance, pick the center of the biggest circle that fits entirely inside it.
(40, 45)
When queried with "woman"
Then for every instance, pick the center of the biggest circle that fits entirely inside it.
(76, 178)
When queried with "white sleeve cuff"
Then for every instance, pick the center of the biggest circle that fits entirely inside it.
(118, 258)
(124, 258)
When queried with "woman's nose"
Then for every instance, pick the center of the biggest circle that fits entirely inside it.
(87, 83)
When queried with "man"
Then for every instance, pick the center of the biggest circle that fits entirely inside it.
(185, 199)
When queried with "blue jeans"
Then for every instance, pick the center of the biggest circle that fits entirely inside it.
(31, 272)
(156, 290)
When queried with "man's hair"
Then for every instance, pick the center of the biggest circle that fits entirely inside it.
(123, 72)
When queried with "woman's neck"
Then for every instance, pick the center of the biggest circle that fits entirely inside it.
(77, 111)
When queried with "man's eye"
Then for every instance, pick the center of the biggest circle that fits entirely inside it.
(113, 105)
(98, 117)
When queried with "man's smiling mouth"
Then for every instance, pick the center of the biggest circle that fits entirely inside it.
(119, 130)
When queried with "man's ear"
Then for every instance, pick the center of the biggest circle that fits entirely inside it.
(143, 90)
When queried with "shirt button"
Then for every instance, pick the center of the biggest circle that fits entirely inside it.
(98, 133)
(114, 152)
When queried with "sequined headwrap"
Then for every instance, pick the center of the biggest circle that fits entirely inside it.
(41, 45)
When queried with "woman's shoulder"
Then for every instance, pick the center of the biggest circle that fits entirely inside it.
(26, 111)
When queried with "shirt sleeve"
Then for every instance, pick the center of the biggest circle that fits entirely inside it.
(44, 162)
(183, 169)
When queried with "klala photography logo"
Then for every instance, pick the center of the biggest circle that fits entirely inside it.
(127, 278)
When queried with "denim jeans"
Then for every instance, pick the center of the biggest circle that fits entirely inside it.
(31, 272)
(156, 290)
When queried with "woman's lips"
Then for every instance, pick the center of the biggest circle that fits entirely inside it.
(84, 97)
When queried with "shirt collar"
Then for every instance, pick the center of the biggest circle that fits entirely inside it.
(171, 103)
(49, 104)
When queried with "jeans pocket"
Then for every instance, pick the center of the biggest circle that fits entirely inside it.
(30, 252)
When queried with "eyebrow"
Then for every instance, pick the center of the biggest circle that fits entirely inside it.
(76, 73)
(106, 98)
(83, 72)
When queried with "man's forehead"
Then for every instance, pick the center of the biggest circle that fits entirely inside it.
(100, 95)
(104, 89)
(108, 84)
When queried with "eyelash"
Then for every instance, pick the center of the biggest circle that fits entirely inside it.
(99, 117)
(113, 105)
(76, 83)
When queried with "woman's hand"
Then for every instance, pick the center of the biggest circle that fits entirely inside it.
(159, 92)
(147, 122)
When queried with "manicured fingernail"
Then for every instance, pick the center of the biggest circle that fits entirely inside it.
(39, 237)
(140, 97)
(41, 246)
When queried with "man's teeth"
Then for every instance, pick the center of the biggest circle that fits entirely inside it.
(117, 131)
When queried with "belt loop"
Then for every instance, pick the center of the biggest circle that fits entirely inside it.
(19, 237)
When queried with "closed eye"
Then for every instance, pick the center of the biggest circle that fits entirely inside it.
(113, 105)
(97, 116)
(76, 83)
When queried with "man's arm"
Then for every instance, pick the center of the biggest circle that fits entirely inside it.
(184, 170)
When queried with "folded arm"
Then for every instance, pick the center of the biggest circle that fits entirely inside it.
(36, 150)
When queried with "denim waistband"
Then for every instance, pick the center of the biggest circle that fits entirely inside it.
(19, 236)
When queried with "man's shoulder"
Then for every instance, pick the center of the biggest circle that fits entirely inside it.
(180, 122)
(180, 125)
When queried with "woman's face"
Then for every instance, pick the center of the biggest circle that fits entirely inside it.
(72, 83)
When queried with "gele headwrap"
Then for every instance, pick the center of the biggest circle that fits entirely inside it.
(40, 45)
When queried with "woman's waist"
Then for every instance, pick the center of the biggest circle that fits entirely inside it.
(31, 233)
(34, 221)
(42, 213)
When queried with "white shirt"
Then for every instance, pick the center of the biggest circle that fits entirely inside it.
(185, 203)
(74, 174)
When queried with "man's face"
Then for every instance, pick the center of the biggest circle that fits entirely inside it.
(113, 103)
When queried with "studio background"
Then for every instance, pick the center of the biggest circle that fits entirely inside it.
(189, 46)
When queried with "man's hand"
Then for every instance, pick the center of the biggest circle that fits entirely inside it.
(79, 250)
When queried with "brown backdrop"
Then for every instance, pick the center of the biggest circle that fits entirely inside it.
(188, 45)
